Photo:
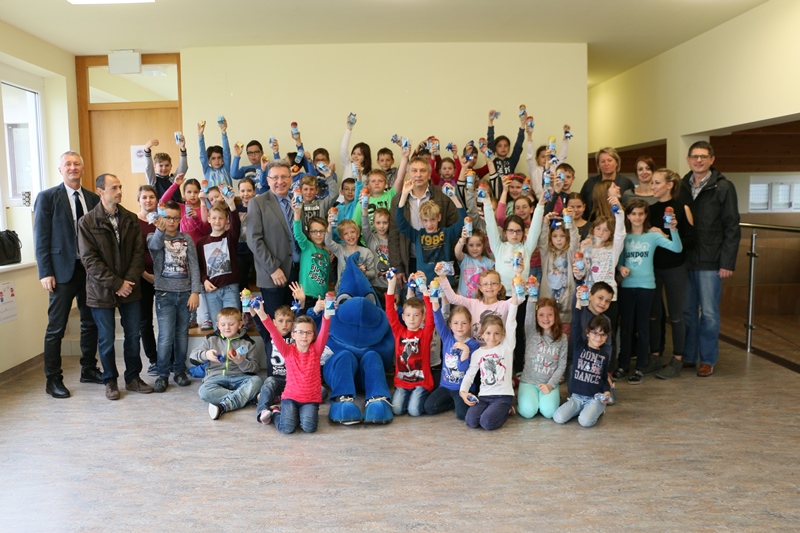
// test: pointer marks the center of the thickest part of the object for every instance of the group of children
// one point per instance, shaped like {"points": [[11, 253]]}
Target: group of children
{"points": [[535, 280]]}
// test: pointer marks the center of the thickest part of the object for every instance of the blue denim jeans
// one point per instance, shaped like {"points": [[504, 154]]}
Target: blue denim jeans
{"points": [[230, 392], [293, 413], [172, 314], [129, 318], [411, 401], [227, 296], [586, 408], [701, 315], [271, 390]]}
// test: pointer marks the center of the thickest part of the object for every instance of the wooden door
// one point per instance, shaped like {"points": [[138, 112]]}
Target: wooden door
{"points": [[115, 131]]}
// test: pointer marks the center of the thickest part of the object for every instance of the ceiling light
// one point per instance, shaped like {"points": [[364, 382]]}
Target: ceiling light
{"points": [[86, 2]]}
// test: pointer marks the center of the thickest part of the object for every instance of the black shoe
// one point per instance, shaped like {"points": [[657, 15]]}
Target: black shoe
{"points": [[91, 375], [182, 380], [152, 370], [160, 385], [55, 388]]}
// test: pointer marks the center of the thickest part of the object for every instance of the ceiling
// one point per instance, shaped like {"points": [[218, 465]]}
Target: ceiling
{"points": [[620, 33]]}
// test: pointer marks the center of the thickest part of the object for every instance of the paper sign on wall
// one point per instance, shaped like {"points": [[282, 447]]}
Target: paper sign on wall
{"points": [[8, 302], [138, 161]]}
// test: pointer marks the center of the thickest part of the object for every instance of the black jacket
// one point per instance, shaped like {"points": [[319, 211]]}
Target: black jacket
{"points": [[716, 224]]}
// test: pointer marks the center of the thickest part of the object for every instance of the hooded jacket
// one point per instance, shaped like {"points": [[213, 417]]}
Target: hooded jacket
{"points": [[216, 341], [716, 224]]}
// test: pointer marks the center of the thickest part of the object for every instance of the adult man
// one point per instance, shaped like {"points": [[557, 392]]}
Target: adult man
{"points": [[270, 238], [400, 249], [112, 251], [717, 235], [56, 214]]}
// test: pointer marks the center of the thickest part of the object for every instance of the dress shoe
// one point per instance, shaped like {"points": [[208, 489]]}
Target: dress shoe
{"points": [[91, 375], [55, 388], [138, 385], [705, 370], [112, 390]]}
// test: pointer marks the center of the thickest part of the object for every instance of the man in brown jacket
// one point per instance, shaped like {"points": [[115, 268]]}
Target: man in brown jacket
{"points": [[112, 251]]}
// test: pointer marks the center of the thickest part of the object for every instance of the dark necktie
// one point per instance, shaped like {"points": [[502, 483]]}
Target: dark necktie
{"points": [[78, 209], [289, 213]]}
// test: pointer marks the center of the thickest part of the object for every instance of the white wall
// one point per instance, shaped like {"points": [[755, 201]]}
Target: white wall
{"points": [[415, 90], [741, 73]]}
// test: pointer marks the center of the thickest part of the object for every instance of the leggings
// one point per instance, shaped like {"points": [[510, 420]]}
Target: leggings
{"points": [[672, 281]]}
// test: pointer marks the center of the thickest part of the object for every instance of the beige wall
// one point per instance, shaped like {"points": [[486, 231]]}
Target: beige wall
{"points": [[744, 72], [414, 90], [24, 336]]}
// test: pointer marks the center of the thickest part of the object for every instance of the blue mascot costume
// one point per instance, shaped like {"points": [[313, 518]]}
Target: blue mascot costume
{"points": [[363, 349]]}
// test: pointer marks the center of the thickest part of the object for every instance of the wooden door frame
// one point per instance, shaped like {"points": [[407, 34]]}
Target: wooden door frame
{"points": [[82, 64]]}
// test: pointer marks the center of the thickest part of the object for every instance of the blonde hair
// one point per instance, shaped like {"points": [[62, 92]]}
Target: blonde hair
{"points": [[671, 177], [610, 151], [501, 294], [429, 210], [347, 223]]}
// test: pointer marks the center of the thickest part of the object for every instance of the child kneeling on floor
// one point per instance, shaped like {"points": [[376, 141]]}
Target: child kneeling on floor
{"points": [[231, 381]]}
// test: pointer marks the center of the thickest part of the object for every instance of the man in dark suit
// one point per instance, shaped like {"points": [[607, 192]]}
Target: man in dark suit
{"points": [[56, 214], [269, 236]]}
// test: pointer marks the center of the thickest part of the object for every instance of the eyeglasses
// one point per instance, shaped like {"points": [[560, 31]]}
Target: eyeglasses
{"points": [[172, 219], [514, 231], [276, 178], [303, 333], [490, 284], [598, 334], [700, 157], [316, 231], [254, 152]]}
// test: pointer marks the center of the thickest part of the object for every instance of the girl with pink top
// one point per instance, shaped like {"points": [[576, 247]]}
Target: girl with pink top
{"points": [[192, 219]]}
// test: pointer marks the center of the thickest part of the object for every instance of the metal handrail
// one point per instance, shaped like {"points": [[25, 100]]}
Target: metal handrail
{"points": [[749, 326]]}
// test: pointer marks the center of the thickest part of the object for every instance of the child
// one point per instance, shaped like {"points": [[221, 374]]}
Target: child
{"points": [[489, 298], [504, 163], [432, 243], [312, 207], [385, 162], [275, 382], [639, 285], [315, 262], [537, 165], [557, 249], [472, 264], [216, 161], [349, 208], [565, 176], [376, 187], [303, 391], [177, 286], [589, 371], [457, 345], [512, 191], [254, 152], [244, 256], [578, 205], [360, 156], [230, 381], [378, 244], [494, 360], [159, 166], [545, 359], [413, 380], [192, 212], [217, 254], [350, 234]]}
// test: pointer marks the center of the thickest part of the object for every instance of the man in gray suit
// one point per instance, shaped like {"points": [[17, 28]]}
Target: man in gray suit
{"points": [[56, 214], [269, 236]]}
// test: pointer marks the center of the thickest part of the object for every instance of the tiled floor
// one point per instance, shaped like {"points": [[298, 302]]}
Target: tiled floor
{"points": [[689, 454], [775, 334]]}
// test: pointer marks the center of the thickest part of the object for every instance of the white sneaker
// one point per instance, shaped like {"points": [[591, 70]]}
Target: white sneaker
{"points": [[214, 411], [265, 416]]}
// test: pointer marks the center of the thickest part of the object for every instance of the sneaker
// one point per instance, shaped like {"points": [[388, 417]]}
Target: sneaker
{"points": [[654, 364], [265, 416], [182, 379], [193, 323], [619, 374], [207, 325], [613, 399], [138, 385], [672, 370], [160, 385], [215, 411], [112, 390], [152, 370], [636, 378]]}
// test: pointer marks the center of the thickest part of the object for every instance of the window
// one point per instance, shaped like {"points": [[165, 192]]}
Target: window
{"points": [[21, 118], [774, 193]]}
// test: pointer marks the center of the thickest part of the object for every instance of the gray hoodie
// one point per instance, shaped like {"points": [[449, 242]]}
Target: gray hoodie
{"points": [[215, 341]]}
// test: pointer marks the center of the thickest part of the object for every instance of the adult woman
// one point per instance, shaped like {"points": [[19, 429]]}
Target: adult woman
{"points": [[147, 204], [645, 166], [671, 274], [608, 164]]}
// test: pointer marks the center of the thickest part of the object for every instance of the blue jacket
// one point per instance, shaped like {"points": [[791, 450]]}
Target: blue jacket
{"points": [[215, 176]]}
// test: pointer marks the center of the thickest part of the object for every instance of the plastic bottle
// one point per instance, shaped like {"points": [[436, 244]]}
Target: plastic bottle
{"points": [[567, 220], [669, 215], [583, 291], [405, 144], [419, 279], [298, 159], [298, 196], [435, 289], [161, 209], [470, 178], [449, 190], [551, 144], [153, 215], [435, 145], [519, 287], [322, 167], [351, 120], [523, 111], [241, 350], [204, 186], [481, 143], [533, 287], [330, 303], [482, 192], [526, 187], [577, 260], [246, 297], [495, 115], [333, 215], [468, 225], [516, 262], [354, 171], [178, 136], [364, 202], [530, 123], [221, 120], [295, 131]]}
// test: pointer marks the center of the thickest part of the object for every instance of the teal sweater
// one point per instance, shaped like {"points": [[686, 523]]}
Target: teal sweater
{"points": [[315, 264], [638, 256]]}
